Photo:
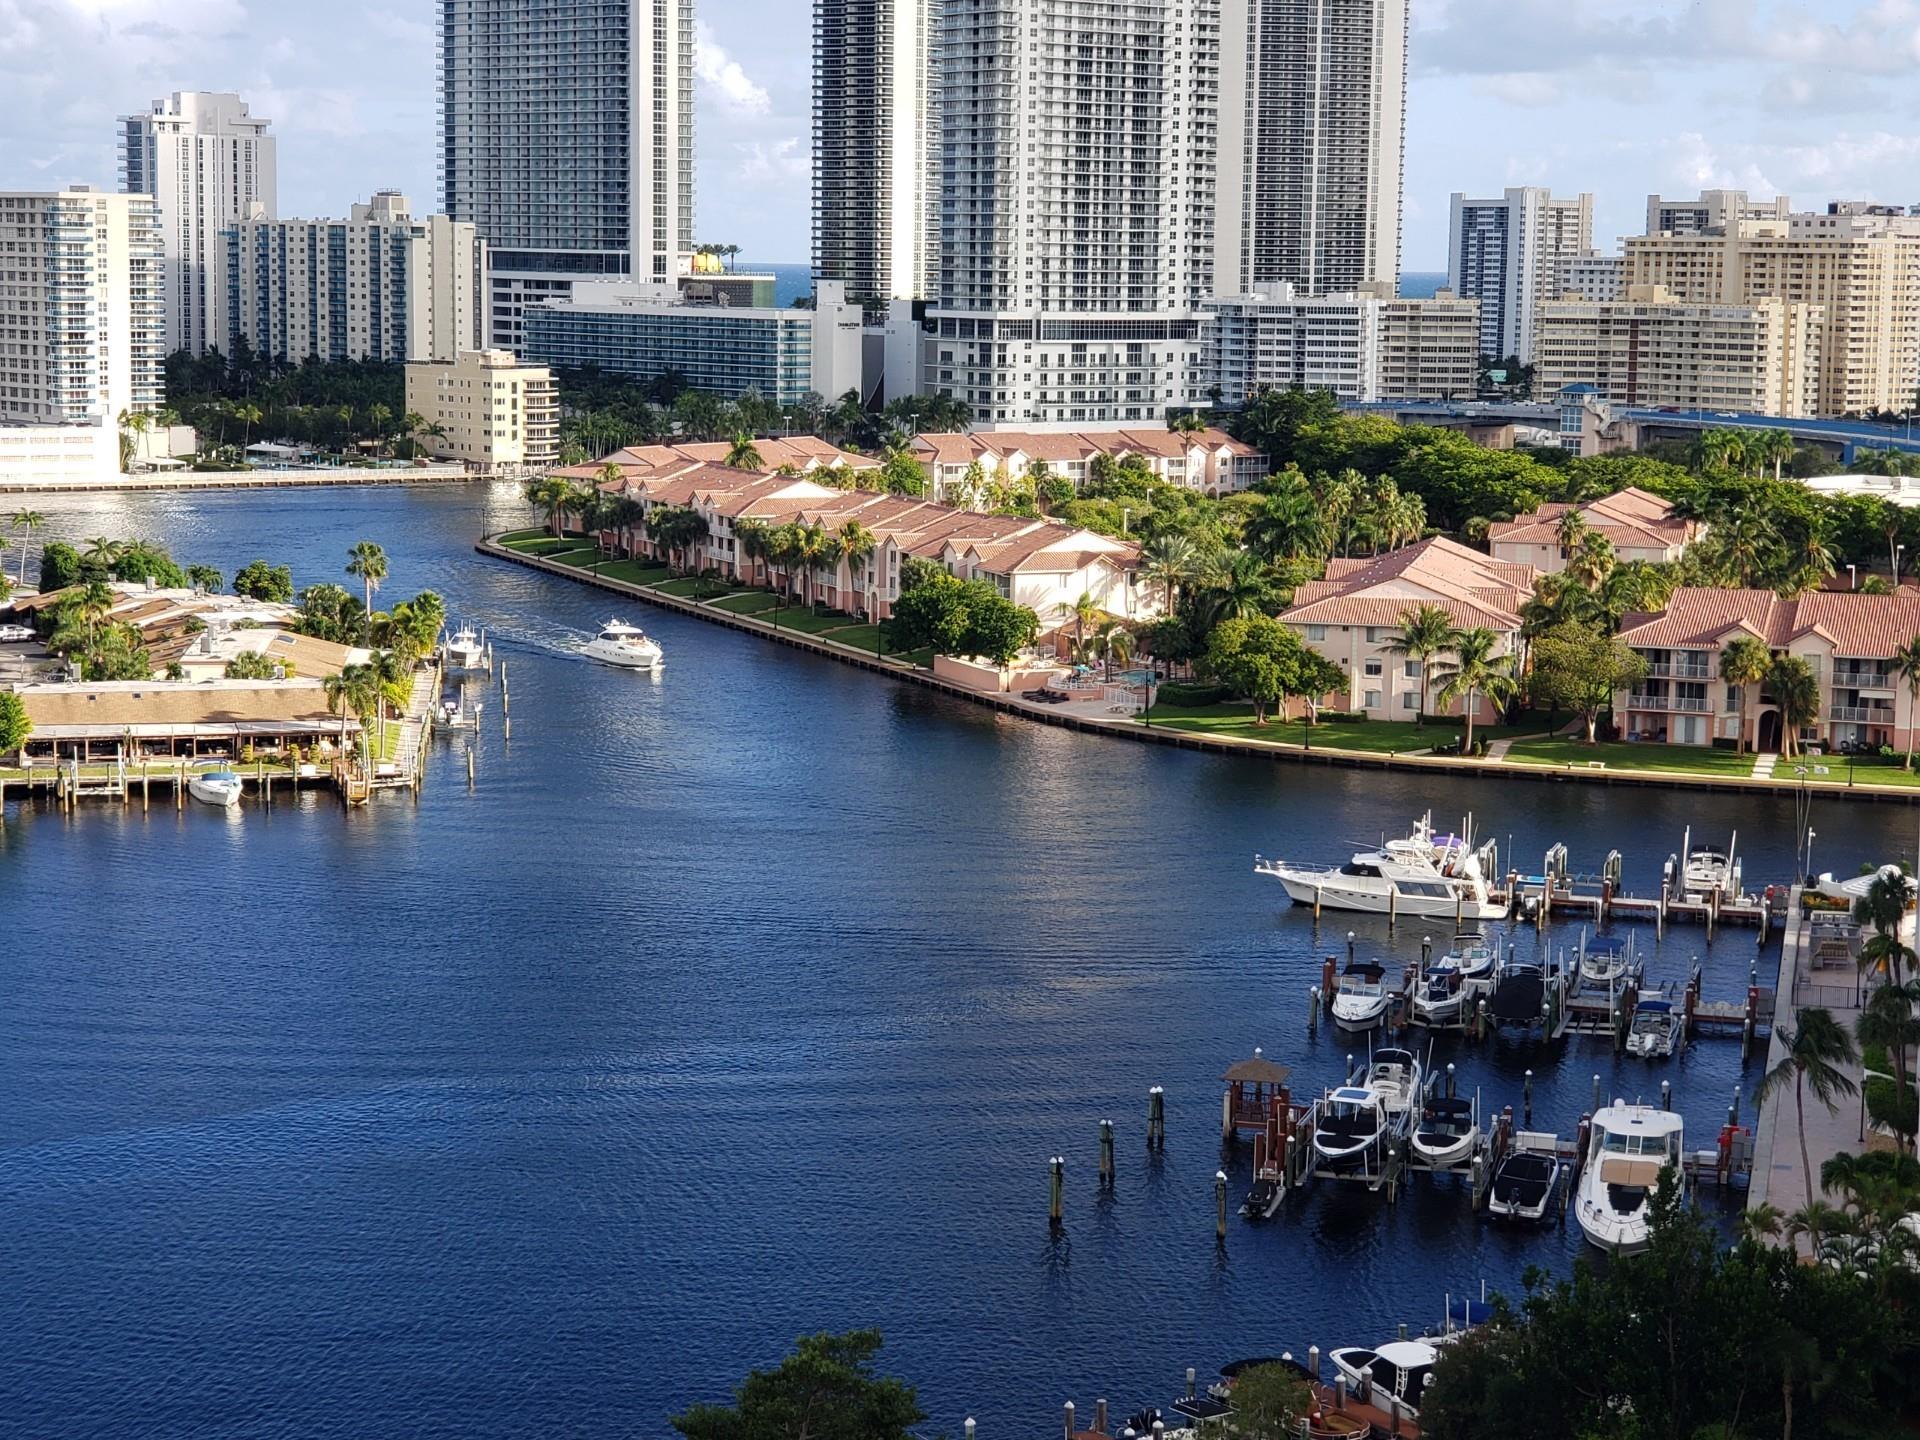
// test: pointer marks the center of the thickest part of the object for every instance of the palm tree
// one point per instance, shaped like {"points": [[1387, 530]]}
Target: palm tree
{"points": [[1425, 631], [755, 544], [1592, 560], [1239, 590], [743, 454], [104, 552], [369, 562], [1290, 522], [1746, 661], [1888, 1022], [1571, 529], [553, 494], [132, 423], [1113, 643], [1763, 1221], [379, 417], [1774, 447], [1797, 690], [1475, 671], [26, 522], [1906, 664], [1816, 1049], [249, 416], [1083, 611], [1169, 561], [1884, 907], [857, 544]]}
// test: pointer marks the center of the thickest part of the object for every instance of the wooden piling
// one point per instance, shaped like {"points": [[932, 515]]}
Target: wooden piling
{"points": [[1316, 904], [1156, 1119], [1056, 1191], [1220, 1205], [1106, 1153]]}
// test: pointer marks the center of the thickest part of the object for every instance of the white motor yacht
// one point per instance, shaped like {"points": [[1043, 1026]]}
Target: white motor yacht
{"points": [[1423, 875], [1631, 1145], [1448, 1133], [215, 787], [619, 643], [1655, 1031], [1360, 996], [465, 650], [1398, 1370]]}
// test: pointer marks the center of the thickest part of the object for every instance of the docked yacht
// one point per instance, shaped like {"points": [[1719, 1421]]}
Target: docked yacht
{"points": [[1524, 1182], [219, 788], [619, 643], [1448, 1133], [1360, 996], [1630, 1146], [1655, 1032], [1447, 989], [465, 649], [1358, 1121], [1422, 875], [1398, 1370], [1606, 960]]}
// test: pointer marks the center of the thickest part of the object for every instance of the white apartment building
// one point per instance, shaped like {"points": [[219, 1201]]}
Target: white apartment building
{"points": [[1650, 348], [1508, 253], [1592, 277], [1861, 269], [876, 147], [566, 135], [379, 285], [1362, 347], [494, 413], [207, 163], [1311, 140], [1714, 210], [1076, 224]]}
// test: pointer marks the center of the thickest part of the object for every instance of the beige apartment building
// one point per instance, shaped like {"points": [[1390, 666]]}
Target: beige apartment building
{"points": [[1651, 348], [494, 413], [1862, 270]]}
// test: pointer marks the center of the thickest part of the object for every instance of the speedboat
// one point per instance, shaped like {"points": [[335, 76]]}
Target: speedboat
{"points": [[1440, 997], [1398, 1370], [1520, 993], [1708, 869], [1606, 959], [1655, 1031], [1360, 996], [1447, 1134], [1630, 1146], [215, 787], [465, 650], [1524, 1183], [1358, 1120], [619, 643], [1472, 954], [1422, 875]]}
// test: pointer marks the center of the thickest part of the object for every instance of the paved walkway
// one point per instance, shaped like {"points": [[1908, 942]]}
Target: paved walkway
{"points": [[1498, 750], [1763, 766]]}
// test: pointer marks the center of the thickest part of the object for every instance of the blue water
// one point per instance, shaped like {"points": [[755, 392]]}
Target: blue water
{"points": [[737, 1003], [1420, 284]]}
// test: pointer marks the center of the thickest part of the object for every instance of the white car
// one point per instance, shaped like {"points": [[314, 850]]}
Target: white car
{"points": [[16, 632]]}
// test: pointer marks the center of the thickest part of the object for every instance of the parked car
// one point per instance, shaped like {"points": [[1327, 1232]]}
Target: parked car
{"points": [[16, 632]]}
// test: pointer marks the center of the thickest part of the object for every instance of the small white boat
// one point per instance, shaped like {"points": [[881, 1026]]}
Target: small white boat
{"points": [[1398, 1370], [215, 787], [619, 643], [1630, 1146], [1473, 955], [1422, 875], [465, 650], [1453, 984], [1605, 960], [1448, 1133], [1655, 1032], [1358, 1121], [1360, 996], [1524, 1182]]}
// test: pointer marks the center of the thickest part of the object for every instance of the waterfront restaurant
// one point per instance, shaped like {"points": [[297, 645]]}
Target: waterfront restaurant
{"points": [[135, 720]]}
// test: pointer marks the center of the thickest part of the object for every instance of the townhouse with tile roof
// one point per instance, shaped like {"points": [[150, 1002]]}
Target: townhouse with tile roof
{"points": [[1639, 524], [1353, 616], [1210, 460], [1847, 637]]}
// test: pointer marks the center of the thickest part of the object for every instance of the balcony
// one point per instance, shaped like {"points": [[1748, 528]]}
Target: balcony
{"points": [[1686, 704], [1679, 670], [1862, 714], [1865, 677]]}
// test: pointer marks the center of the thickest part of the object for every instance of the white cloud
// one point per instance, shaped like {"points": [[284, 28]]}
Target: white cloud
{"points": [[734, 86], [778, 161]]}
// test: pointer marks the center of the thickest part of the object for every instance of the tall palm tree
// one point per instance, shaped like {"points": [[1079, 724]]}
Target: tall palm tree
{"points": [[1906, 664], [1425, 631], [1476, 671], [1770, 447], [1817, 1048], [743, 454], [26, 522], [1592, 560], [857, 544], [1797, 690], [1239, 590], [1745, 662], [555, 495], [249, 416], [368, 562], [1169, 561], [1571, 529], [1113, 643], [1888, 1022], [1083, 611]]}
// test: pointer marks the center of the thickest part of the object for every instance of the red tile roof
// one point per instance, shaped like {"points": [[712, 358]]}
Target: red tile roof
{"points": [[1474, 589], [1631, 519], [1853, 624]]}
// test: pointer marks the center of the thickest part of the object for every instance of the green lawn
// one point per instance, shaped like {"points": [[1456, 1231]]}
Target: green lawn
{"points": [[800, 618], [860, 637], [751, 603], [1618, 755], [542, 545], [1376, 736], [692, 587], [513, 537], [921, 659], [577, 559], [1863, 770], [634, 572]]}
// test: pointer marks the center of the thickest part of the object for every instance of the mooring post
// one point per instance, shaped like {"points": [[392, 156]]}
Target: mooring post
{"points": [[1526, 1097], [1106, 1153], [1426, 953], [1068, 1415], [1056, 1190], [469, 767], [1156, 1119], [1666, 1094], [1450, 1080], [1733, 1110], [1316, 904], [1596, 1094], [1313, 1363], [1350, 939], [1313, 1008], [1219, 1224], [968, 1427]]}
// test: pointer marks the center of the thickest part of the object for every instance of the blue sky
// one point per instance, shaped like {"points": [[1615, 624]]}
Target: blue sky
{"points": [[1619, 97]]}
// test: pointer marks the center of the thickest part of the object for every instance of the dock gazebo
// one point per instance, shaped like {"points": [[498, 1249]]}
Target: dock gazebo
{"points": [[1253, 1086]]}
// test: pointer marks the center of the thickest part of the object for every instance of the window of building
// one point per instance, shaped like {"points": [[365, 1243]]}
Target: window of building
{"points": [[1372, 699], [1316, 632], [1374, 667]]}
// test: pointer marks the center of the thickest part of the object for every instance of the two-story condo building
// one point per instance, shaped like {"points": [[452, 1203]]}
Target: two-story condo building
{"points": [[1209, 460], [1638, 524]]}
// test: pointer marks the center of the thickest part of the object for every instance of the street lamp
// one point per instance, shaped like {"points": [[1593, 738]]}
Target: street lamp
{"points": [[1898, 551], [1853, 577], [1810, 834]]}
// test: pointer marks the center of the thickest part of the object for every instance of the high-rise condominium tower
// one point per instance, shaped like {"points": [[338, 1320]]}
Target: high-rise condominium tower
{"points": [[566, 134], [207, 163], [1312, 122], [876, 146], [1077, 206], [1512, 253]]}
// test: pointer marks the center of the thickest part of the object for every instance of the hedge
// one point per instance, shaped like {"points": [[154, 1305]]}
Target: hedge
{"points": [[1884, 1106], [1190, 692]]}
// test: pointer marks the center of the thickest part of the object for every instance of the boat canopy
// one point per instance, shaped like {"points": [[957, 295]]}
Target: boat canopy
{"points": [[1653, 1007], [1606, 944], [1449, 1107], [1367, 969]]}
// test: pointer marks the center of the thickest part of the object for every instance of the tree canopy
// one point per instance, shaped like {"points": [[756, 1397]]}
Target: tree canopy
{"points": [[826, 1389]]}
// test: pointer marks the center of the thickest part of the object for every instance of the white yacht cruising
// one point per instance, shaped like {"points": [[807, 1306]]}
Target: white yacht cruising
{"points": [[619, 643], [1631, 1145], [1422, 875]]}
